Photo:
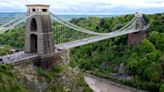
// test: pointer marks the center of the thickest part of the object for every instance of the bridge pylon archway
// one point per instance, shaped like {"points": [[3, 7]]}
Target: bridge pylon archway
{"points": [[33, 43], [38, 34]]}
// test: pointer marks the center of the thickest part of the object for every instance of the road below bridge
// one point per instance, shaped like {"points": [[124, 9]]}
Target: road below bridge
{"points": [[103, 85]]}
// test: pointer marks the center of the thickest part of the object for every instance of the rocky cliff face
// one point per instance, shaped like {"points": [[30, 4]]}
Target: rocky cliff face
{"points": [[62, 78]]}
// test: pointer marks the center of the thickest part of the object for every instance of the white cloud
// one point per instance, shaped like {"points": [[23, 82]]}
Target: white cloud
{"points": [[87, 6]]}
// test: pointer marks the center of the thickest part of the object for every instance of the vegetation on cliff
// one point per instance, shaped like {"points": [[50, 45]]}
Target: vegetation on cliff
{"points": [[29, 78], [8, 82], [4, 50]]}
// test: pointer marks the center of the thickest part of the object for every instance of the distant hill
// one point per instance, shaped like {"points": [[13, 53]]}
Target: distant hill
{"points": [[5, 17]]}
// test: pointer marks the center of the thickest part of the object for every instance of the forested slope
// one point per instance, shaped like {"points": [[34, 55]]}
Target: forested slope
{"points": [[143, 63]]}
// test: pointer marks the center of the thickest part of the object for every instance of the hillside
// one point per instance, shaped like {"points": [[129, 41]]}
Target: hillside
{"points": [[140, 66]]}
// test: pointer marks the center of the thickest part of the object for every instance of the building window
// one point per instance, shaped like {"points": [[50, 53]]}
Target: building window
{"points": [[44, 10], [33, 10]]}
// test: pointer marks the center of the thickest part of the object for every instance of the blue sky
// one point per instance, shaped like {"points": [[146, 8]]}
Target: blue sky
{"points": [[87, 6]]}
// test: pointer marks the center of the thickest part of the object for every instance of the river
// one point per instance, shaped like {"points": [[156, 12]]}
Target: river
{"points": [[103, 85]]}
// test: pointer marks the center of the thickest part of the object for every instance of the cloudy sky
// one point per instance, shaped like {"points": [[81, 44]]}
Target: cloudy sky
{"points": [[87, 6]]}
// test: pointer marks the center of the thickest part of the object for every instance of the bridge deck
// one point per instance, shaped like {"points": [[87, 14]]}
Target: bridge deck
{"points": [[19, 56]]}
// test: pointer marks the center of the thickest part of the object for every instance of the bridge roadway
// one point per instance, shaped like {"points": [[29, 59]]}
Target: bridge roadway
{"points": [[20, 56]]}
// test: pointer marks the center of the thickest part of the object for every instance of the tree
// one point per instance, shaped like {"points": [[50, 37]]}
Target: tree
{"points": [[153, 72], [146, 47], [161, 88], [157, 39]]}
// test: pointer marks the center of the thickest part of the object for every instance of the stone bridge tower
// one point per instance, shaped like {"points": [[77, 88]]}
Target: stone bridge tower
{"points": [[38, 34], [137, 37]]}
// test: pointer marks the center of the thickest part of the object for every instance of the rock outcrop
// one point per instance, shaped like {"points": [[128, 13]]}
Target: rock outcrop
{"points": [[62, 78]]}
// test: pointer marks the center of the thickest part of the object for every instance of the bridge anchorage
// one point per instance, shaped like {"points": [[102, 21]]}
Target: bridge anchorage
{"points": [[39, 42]]}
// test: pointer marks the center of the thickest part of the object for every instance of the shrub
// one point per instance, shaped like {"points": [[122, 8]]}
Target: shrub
{"points": [[56, 68], [161, 88]]}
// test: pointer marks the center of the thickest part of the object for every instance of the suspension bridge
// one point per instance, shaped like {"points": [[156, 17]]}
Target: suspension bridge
{"points": [[39, 40]]}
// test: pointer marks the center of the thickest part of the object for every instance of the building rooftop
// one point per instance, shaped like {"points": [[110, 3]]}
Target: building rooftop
{"points": [[37, 5]]}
